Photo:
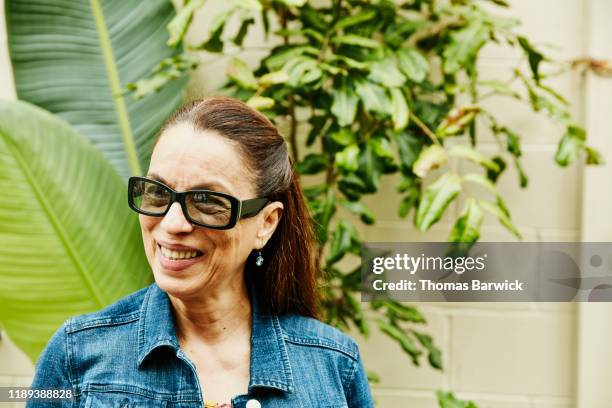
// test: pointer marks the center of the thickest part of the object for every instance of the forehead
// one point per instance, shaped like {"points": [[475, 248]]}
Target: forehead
{"points": [[186, 157]]}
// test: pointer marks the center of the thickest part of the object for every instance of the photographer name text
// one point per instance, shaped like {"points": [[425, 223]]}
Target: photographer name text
{"points": [[429, 285]]}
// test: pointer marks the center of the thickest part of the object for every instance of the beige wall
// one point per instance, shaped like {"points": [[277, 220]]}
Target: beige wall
{"points": [[501, 355]]}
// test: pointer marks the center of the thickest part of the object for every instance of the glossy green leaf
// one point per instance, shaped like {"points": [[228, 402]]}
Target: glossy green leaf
{"points": [[469, 153], [413, 64], [302, 70], [293, 3], [313, 163], [402, 338], [349, 62], [382, 148], [358, 208], [240, 72], [348, 159], [464, 46], [400, 111], [501, 88], [404, 312], [169, 69], [345, 103], [501, 164], [280, 56], [513, 142], [448, 400], [313, 192], [501, 213], [369, 168], [352, 186], [76, 61], [323, 215], [436, 199], [373, 377], [431, 157], [467, 226], [373, 96], [560, 98], [355, 19], [214, 43], [69, 244], [540, 102], [480, 180], [341, 241], [243, 30], [434, 354], [179, 25], [352, 39], [251, 5], [594, 157], [386, 73], [409, 149], [501, 3], [357, 315], [571, 145], [261, 102], [534, 56], [344, 136], [457, 121], [410, 199], [523, 179], [273, 78]]}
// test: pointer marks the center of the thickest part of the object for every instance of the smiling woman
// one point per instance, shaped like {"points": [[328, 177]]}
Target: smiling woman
{"points": [[231, 317]]}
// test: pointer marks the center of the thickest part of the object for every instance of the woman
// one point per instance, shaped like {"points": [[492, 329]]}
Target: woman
{"points": [[229, 321]]}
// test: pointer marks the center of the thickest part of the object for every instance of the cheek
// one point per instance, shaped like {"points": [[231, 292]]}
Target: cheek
{"points": [[147, 224], [229, 247]]}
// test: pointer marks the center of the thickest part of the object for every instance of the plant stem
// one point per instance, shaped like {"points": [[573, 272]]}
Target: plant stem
{"points": [[292, 117], [432, 30], [424, 128], [293, 129]]}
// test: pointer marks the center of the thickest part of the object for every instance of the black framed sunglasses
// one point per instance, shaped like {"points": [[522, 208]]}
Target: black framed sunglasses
{"points": [[206, 208]]}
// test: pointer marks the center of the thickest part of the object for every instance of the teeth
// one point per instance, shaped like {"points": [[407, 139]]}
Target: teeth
{"points": [[168, 253]]}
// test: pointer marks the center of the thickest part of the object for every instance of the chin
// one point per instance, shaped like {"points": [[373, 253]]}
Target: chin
{"points": [[177, 286]]}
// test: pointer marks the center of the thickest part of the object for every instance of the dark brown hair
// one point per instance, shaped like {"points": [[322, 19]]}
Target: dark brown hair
{"points": [[286, 283]]}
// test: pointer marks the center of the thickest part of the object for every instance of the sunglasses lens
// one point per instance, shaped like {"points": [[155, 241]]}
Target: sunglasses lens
{"points": [[149, 197], [208, 208]]}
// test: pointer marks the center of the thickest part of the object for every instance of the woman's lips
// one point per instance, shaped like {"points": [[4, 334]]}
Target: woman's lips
{"points": [[175, 264]]}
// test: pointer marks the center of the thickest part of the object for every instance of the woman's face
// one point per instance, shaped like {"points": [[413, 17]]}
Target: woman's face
{"points": [[186, 159]]}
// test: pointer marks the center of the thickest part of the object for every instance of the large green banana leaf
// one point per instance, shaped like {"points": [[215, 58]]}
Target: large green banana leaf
{"points": [[69, 244], [75, 57]]}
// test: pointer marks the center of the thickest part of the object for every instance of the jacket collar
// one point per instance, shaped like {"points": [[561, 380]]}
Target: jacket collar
{"points": [[269, 365]]}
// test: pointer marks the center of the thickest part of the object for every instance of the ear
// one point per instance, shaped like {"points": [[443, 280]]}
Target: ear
{"points": [[270, 216]]}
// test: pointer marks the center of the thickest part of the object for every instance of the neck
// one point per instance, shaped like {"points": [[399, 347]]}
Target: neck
{"points": [[217, 315]]}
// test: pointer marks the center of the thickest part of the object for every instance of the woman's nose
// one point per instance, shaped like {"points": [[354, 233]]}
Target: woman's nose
{"points": [[174, 221]]}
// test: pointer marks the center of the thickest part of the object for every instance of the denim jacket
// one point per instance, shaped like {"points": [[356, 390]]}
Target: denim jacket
{"points": [[127, 355]]}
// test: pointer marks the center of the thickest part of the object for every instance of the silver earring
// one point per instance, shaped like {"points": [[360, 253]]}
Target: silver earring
{"points": [[259, 261]]}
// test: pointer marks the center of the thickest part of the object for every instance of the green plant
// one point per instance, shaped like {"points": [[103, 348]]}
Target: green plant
{"points": [[386, 87], [68, 243]]}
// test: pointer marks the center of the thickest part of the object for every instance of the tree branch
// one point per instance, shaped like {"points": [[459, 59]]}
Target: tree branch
{"points": [[293, 129], [424, 128], [292, 117], [432, 30]]}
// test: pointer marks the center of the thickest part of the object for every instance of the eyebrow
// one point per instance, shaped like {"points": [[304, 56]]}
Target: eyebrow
{"points": [[207, 185]]}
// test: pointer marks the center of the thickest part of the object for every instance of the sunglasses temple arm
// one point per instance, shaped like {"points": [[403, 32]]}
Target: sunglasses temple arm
{"points": [[252, 207]]}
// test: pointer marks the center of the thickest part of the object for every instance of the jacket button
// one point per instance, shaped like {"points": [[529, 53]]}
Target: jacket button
{"points": [[253, 403]]}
